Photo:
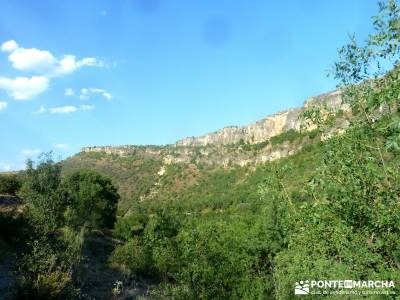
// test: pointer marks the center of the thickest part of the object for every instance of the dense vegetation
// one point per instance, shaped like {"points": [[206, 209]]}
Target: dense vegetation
{"points": [[48, 235], [221, 240], [330, 211], [134, 175], [9, 184]]}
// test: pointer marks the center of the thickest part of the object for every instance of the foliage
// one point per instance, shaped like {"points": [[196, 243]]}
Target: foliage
{"points": [[40, 192], [131, 225], [353, 203], [9, 184], [288, 136], [255, 147], [223, 259], [353, 199], [133, 175], [56, 214], [92, 199], [131, 258]]}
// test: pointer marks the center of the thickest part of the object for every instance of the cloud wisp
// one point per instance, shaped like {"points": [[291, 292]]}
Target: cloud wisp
{"points": [[87, 92], [30, 152], [61, 146], [3, 105], [41, 110], [63, 109], [5, 167], [87, 107], [69, 92]]}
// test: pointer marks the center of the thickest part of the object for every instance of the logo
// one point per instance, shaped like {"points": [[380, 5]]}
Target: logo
{"points": [[344, 287], [302, 288]]}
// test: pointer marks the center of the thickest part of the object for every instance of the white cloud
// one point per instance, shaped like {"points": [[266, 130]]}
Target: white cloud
{"points": [[5, 166], [63, 110], [61, 146], [35, 60], [41, 62], [41, 110], [30, 152], [69, 64], [69, 92], [44, 62], [86, 92], [3, 105], [9, 46], [24, 88], [86, 107]]}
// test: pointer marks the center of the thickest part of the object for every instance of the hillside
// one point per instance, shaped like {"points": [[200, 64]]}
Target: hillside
{"points": [[205, 211], [142, 172]]}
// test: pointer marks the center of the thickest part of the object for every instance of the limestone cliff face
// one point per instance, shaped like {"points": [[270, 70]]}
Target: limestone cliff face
{"points": [[267, 127], [253, 133], [214, 149]]}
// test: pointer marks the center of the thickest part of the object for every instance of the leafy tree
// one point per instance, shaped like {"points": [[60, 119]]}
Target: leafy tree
{"points": [[92, 199], [40, 192], [352, 202], [131, 258], [223, 259], [49, 252], [9, 184]]}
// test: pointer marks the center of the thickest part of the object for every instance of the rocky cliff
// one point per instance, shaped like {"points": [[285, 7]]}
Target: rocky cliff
{"points": [[256, 133], [271, 138], [266, 128]]}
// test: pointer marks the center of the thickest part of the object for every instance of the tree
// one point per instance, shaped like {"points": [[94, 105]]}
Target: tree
{"points": [[92, 200], [48, 251], [352, 201], [9, 184], [40, 192]]}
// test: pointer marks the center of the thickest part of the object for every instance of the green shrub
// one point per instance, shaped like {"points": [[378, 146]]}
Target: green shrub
{"points": [[130, 226], [51, 286], [289, 136], [222, 260], [313, 133], [92, 199], [131, 258], [9, 184]]}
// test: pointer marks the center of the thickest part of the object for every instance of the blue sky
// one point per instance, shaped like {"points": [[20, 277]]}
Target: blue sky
{"points": [[94, 72]]}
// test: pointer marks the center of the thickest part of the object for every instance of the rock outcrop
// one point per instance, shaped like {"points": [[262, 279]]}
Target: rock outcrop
{"points": [[212, 147], [267, 127]]}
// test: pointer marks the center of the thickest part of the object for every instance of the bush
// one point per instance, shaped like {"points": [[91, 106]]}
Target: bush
{"points": [[52, 286], [222, 260], [132, 225], [9, 184], [131, 258], [92, 199], [288, 136]]}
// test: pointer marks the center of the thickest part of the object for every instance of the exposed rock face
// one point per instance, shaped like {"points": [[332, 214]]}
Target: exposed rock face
{"points": [[267, 127], [121, 150], [331, 100], [214, 148], [253, 133]]}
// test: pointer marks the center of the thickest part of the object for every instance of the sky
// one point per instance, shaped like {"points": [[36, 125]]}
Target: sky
{"points": [[101, 72]]}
